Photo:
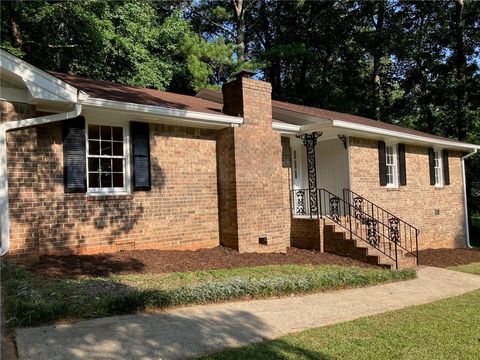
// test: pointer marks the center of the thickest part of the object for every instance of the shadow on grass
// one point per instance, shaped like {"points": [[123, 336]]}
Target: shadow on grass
{"points": [[277, 349]]}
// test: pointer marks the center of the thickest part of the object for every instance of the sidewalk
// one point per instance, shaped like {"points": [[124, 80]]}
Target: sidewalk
{"points": [[193, 331]]}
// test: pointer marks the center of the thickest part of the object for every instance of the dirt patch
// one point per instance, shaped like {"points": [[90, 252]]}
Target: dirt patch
{"points": [[448, 257], [162, 261]]}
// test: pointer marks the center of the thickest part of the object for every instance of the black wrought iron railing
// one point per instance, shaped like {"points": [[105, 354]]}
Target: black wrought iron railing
{"points": [[386, 237], [405, 234]]}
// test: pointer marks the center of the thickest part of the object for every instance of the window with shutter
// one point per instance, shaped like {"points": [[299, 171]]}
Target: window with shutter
{"points": [[107, 158], [437, 167], [391, 163]]}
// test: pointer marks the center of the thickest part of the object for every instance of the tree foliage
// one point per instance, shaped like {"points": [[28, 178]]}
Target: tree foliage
{"points": [[411, 63]]}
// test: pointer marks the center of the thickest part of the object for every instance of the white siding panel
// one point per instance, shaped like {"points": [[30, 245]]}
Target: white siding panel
{"points": [[332, 166]]}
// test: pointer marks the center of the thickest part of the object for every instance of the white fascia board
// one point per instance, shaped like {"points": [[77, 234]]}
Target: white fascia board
{"points": [[401, 135], [182, 115], [285, 128], [36, 79]]}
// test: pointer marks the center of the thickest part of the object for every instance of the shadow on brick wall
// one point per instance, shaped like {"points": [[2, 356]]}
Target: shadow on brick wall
{"points": [[43, 216]]}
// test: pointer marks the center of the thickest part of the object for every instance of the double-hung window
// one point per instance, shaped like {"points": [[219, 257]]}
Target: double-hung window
{"points": [[438, 168], [391, 162], [107, 158]]}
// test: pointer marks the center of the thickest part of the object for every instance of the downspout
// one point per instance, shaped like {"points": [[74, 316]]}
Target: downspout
{"points": [[16, 125], [465, 196]]}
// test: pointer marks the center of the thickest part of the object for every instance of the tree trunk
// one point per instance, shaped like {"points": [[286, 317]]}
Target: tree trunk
{"points": [[239, 11], [460, 65], [377, 59], [14, 25]]}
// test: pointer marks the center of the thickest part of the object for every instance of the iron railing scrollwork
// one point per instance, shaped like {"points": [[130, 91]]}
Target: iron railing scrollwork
{"points": [[335, 208], [398, 231], [300, 204], [387, 234], [310, 141]]}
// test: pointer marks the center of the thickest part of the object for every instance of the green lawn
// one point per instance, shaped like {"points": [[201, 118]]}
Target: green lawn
{"points": [[473, 268], [32, 300], [448, 329]]}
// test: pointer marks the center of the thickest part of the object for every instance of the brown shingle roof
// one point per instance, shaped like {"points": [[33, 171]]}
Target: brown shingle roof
{"points": [[353, 119], [118, 92], [124, 93]]}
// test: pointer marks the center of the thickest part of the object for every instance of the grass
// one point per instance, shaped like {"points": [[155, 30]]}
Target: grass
{"points": [[33, 300], [473, 268], [448, 329]]}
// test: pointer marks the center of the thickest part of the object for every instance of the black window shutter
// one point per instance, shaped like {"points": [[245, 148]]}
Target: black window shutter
{"points": [[141, 156], [402, 164], [74, 156], [382, 162], [446, 168], [431, 165]]}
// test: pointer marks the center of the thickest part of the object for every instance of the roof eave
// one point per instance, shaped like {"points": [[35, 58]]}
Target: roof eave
{"points": [[41, 85], [160, 111], [402, 136]]}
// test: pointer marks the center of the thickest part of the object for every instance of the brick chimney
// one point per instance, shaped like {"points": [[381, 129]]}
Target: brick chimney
{"points": [[253, 198]]}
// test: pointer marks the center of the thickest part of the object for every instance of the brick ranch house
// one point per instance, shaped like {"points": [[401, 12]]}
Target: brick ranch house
{"points": [[91, 166]]}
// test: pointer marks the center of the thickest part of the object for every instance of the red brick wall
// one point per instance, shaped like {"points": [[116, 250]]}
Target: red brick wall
{"points": [[180, 212], [257, 182], [307, 233], [415, 203]]}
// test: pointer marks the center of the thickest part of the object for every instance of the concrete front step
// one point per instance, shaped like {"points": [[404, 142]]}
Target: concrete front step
{"points": [[338, 241]]}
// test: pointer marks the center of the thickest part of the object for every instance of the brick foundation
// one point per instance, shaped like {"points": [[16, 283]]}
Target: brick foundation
{"points": [[307, 233]]}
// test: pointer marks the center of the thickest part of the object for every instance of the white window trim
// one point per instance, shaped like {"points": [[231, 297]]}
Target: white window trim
{"points": [[126, 190], [396, 182], [441, 182]]}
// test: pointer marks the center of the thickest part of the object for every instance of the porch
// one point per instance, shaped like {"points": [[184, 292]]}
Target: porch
{"points": [[328, 216]]}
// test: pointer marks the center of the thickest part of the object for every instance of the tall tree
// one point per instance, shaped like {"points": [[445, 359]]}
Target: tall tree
{"points": [[460, 66]]}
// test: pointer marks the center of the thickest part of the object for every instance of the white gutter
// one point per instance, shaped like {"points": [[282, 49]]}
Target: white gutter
{"points": [[16, 125], [194, 116], [286, 128], [465, 196]]}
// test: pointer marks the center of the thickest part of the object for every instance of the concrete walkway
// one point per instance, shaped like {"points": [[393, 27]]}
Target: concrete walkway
{"points": [[192, 331]]}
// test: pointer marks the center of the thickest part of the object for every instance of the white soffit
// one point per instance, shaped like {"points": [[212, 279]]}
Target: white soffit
{"points": [[164, 115], [40, 85]]}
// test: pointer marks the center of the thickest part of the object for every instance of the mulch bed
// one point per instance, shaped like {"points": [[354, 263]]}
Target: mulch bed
{"points": [[162, 261], [448, 257]]}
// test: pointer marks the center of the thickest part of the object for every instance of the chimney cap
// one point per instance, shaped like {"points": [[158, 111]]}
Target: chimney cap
{"points": [[244, 73]]}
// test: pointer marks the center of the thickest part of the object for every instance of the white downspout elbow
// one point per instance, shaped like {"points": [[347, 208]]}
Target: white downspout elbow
{"points": [[16, 125], [467, 229]]}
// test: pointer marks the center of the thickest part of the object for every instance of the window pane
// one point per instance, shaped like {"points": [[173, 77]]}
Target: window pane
{"points": [[117, 165], [117, 180], [93, 180], [117, 133], [106, 180], [94, 147], [106, 165], [106, 132], [106, 148], [118, 149], [93, 164], [93, 131]]}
